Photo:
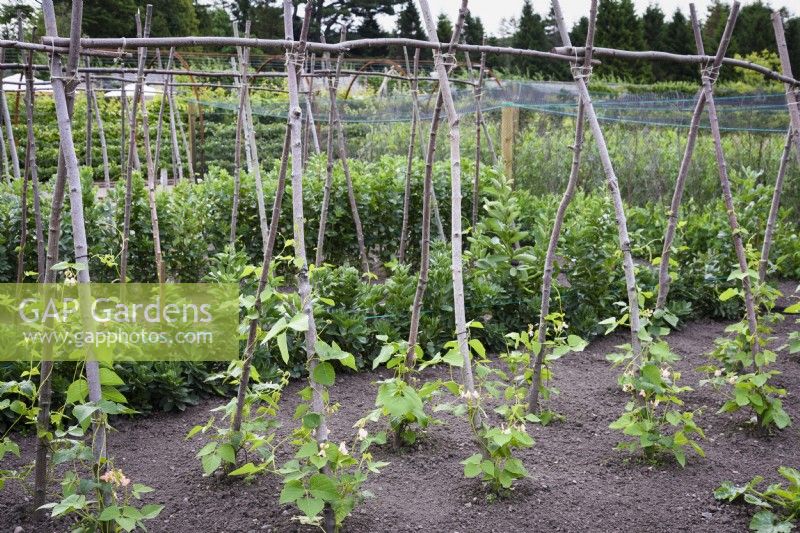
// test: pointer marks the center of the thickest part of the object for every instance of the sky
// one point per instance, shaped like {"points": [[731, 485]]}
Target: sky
{"points": [[492, 11]]}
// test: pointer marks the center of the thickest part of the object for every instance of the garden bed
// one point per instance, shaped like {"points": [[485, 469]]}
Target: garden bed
{"points": [[578, 482]]}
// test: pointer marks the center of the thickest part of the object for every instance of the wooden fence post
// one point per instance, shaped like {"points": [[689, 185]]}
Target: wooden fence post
{"points": [[508, 131]]}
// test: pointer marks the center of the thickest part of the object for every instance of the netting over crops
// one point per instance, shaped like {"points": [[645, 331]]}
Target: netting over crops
{"points": [[763, 112]]}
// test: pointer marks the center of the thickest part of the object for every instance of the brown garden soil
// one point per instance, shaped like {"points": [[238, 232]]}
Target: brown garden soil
{"points": [[578, 481]]}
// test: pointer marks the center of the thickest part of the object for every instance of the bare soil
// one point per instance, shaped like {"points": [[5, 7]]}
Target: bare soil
{"points": [[578, 481]]}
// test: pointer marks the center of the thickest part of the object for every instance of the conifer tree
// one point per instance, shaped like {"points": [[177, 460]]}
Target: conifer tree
{"points": [[409, 24], [619, 27]]}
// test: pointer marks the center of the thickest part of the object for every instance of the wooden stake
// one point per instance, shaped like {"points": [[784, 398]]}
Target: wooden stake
{"points": [[508, 133], [102, 135], [151, 174], [186, 149], [3, 149], [177, 162], [250, 135], [351, 195], [87, 81], [34, 171], [774, 207], [479, 123], [237, 155], [303, 283], [123, 150]]}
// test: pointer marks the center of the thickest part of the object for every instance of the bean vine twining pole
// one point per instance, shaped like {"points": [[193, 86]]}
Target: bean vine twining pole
{"points": [[34, 171], [351, 194], [101, 133], [457, 266], [401, 253]]}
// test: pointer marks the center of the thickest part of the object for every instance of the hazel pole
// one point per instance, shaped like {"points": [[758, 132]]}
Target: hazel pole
{"points": [[250, 136], [613, 185], [774, 207], [794, 132], [27, 174], [664, 278], [476, 184], [401, 254], [3, 149], [45, 391], [455, 213], [177, 162], [333, 85], [428, 203], [566, 199], [303, 283], [6, 117], [237, 147], [123, 110], [37, 207], [351, 195], [151, 174], [725, 184], [132, 150], [294, 56], [81, 248], [160, 120], [102, 135], [88, 93]]}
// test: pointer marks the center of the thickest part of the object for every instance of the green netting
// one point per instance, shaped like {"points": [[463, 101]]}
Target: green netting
{"points": [[763, 112]]}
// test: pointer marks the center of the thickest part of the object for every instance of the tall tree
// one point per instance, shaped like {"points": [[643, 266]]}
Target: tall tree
{"points": [[473, 29], [212, 20], [753, 30], [172, 18], [409, 24], [370, 29], [677, 38], [330, 15], [714, 24], [619, 27], [444, 28], [653, 26], [101, 18], [531, 34], [579, 30], [793, 42]]}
